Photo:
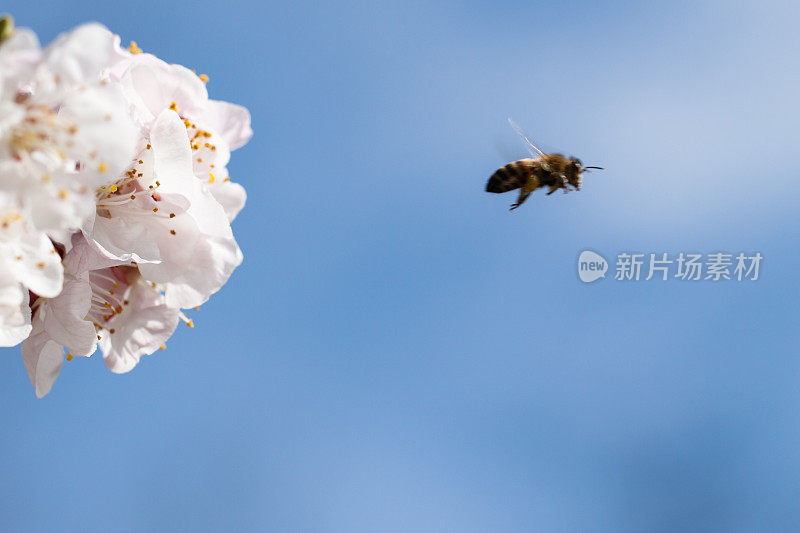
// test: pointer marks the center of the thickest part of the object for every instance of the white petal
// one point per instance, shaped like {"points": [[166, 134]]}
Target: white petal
{"points": [[152, 85], [39, 265], [231, 196], [231, 121], [82, 55], [106, 137], [173, 166], [123, 240], [19, 56], [194, 266], [15, 315], [214, 262], [55, 214]]}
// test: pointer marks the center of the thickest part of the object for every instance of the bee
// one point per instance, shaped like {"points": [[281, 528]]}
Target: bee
{"points": [[541, 170]]}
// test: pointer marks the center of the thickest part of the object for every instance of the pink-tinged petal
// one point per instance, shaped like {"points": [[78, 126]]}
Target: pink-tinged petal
{"points": [[140, 330], [43, 359], [64, 321], [231, 121], [84, 257]]}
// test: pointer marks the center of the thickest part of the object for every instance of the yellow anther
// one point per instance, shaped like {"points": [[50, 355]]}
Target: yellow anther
{"points": [[113, 188], [102, 167], [211, 178], [70, 357], [203, 78], [6, 27], [162, 347], [62, 194], [134, 48], [190, 323]]}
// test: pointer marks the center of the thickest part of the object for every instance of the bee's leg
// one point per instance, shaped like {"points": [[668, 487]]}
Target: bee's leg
{"points": [[561, 183], [523, 195]]}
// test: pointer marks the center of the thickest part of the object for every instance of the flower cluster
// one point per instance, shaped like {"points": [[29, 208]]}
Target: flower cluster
{"points": [[115, 200]]}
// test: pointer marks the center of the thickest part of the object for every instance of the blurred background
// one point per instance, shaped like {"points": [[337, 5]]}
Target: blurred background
{"points": [[398, 352]]}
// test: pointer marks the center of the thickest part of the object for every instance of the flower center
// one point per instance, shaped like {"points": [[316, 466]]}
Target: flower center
{"points": [[111, 288], [41, 130]]}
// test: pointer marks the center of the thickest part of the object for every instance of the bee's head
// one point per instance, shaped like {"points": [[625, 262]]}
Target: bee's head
{"points": [[575, 170]]}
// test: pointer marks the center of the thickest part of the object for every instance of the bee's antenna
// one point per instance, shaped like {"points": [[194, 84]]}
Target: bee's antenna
{"points": [[522, 134], [598, 168]]}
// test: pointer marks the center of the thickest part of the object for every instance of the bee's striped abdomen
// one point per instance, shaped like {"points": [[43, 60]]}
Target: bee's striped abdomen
{"points": [[510, 177]]}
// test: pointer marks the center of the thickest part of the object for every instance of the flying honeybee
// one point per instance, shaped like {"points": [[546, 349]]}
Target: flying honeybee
{"points": [[541, 170]]}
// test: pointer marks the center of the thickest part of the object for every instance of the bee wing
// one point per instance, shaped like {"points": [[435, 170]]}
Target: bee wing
{"points": [[535, 152], [505, 150]]}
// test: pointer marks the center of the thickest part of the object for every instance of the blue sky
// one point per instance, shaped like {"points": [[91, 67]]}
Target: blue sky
{"points": [[398, 352]]}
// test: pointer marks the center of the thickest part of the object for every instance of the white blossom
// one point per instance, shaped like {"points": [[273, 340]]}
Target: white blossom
{"points": [[115, 199], [214, 127]]}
